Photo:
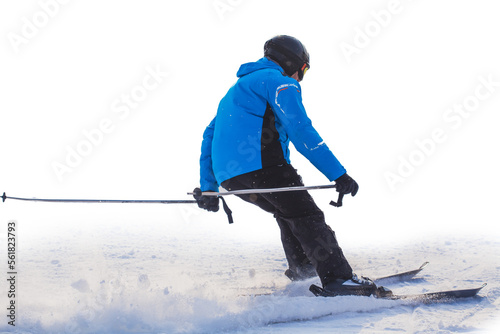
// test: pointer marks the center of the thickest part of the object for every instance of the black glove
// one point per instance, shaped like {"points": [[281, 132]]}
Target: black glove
{"points": [[346, 185], [210, 203]]}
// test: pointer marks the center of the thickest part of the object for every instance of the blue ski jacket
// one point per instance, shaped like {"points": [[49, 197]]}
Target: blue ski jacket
{"points": [[255, 121]]}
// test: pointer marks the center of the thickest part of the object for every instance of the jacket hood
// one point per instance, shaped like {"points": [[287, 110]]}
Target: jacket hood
{"points": [[261, 64]]}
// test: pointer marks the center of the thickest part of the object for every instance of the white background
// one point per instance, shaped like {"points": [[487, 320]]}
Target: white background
{"points": [[428, 56]]}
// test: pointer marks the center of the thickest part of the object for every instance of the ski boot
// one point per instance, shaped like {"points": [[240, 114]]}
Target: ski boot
{"points": [[354, 286]]}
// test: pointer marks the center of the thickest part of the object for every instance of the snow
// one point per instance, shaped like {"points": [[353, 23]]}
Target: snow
{"points": [[120, 91], [194, 275]]}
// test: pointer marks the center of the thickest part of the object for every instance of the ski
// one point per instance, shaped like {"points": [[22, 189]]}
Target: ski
{"points": [[429, 297], [399, 277]]}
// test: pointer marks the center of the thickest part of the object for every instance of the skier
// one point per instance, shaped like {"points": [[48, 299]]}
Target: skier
{"points": [[246, 146]]}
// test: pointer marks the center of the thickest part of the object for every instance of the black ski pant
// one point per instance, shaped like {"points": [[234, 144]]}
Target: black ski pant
{"points": [[305, 236]]}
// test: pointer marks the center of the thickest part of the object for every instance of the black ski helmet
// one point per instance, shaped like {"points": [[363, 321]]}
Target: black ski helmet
{"points": [[289, 53]]}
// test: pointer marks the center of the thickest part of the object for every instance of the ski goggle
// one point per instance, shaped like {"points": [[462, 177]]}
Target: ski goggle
{"points": [[303, 71]]}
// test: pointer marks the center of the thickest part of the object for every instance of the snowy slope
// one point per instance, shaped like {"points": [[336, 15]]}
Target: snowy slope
{"points": [[175, 275]]}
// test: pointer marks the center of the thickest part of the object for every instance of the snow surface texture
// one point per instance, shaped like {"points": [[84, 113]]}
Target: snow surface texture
{"points": [[187, 277]]}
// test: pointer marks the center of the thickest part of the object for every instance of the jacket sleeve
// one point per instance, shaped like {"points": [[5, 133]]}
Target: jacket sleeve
{"points": [[287, 104], [207, 177]]}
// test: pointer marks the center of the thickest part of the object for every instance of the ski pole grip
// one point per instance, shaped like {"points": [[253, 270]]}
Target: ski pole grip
{"points": [[338, 204]]}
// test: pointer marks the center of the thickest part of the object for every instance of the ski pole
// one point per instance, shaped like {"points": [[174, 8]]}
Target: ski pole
{"points": [[53, 200], [274, 190], [4, 197]]}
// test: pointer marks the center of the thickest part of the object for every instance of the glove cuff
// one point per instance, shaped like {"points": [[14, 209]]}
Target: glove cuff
{"points": [[344, 177]]}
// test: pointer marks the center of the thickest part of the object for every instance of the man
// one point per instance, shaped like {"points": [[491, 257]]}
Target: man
{"points": [[246, 146]]}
